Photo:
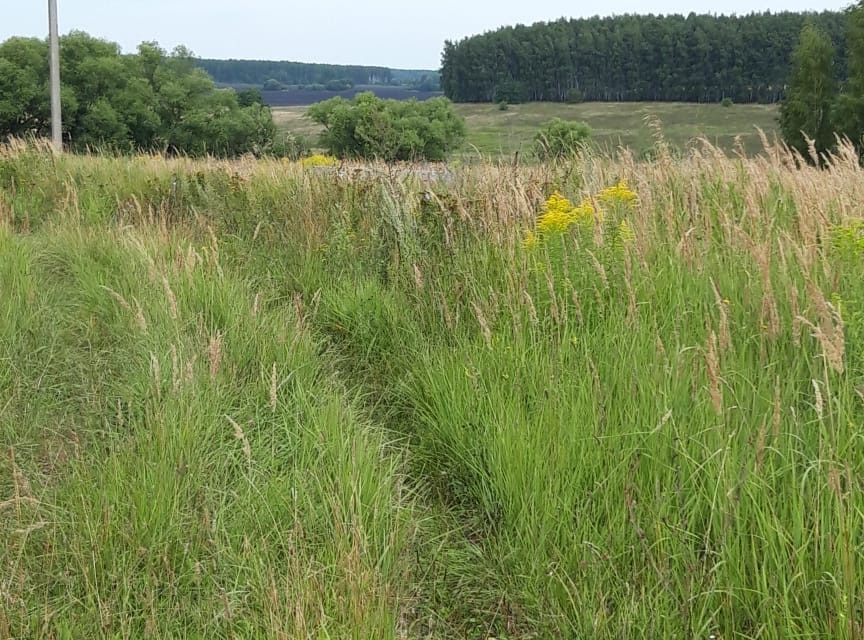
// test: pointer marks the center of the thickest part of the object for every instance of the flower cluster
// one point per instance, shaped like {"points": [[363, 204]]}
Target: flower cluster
{"points": [[559, 213], [618, 194], [319, 160]]}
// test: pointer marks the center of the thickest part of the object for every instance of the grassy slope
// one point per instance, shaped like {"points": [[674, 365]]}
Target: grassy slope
{"points": [[493, 132], [253, 400]]}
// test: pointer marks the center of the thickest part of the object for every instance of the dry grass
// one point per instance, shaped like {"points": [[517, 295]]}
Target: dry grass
{"points": [[248, 399]]}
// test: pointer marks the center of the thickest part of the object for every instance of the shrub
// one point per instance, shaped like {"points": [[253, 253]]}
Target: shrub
{"points": [[338, 85], [273, 85], [574, 96], [559, 139], [390, 130], [726, 102], [503, 105]]}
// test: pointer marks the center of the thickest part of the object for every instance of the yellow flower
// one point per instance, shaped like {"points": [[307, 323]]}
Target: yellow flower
{"points": [[530, 240], [557, 215], [618, 194], [587, 214], [319, 160]]}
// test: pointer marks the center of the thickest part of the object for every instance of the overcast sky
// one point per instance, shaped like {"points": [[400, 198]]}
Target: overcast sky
{"points": [[392, 33]]}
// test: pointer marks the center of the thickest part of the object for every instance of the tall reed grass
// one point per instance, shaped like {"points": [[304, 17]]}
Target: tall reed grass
{"points": [[257, 399]]}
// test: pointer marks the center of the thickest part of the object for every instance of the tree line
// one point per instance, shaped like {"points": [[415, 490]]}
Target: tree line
{"points": [[258, 72], [822, 107], [697, 58], [275, 75], [151, 100]]}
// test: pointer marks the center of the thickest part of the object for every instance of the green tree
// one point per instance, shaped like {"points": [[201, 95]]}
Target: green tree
{"points": [[369, 127], [697, 58], [148, 101], [849, 114], [806, 111]]}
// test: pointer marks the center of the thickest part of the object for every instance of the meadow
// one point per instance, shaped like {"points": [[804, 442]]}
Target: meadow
{"points": [[261, 399], [495, 133]]}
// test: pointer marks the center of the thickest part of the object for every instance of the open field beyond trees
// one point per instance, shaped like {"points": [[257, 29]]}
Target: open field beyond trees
{"points": [[494, 133], [257, 399]]}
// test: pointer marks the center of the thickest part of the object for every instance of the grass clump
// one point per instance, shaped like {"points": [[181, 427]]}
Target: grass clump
{"points": [[592, 399]]}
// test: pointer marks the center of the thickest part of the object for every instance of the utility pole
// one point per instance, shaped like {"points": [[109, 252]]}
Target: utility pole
{"points": [[54, 37]]}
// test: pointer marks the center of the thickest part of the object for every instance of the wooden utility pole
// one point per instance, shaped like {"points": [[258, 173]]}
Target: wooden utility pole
{"points": [[54, 37]]}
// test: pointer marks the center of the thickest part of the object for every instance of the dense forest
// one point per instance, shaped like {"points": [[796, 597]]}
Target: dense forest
{"points": [[287, 74], [697, 58]]}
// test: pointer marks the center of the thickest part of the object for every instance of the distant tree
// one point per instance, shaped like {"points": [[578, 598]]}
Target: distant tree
{"points": [[272, 85], [512, 91], [849, 112], [559, 139], [390, 130], [259, 72], [338, 85], [806, 111], [250, 97]]}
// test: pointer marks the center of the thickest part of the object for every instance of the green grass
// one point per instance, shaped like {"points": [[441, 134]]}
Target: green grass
{"points": [[248, 399], [492, 132]]}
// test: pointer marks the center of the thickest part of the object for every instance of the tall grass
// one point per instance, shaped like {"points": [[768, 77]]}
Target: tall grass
{"points": [[256, 399]]}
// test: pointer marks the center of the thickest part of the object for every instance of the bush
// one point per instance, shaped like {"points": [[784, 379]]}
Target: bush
{"points": [[338, 85], [574, 96], [503, 105], [726, 102], [559, 139], [369, 127], [273, 85]]}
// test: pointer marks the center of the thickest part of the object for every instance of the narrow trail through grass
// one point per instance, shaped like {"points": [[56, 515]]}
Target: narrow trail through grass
{"points": [[599, 400]]}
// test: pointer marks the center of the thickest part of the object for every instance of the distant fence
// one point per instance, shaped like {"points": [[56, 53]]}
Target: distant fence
{"points": [[304, 97]]}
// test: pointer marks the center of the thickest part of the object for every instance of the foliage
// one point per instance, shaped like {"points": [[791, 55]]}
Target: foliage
{"points": [[849, 109], [149, 101], [250, 97], [697, 58], [390, 130], [271, 84], [574, 96], [258, 72], [340, 84], [513, 92], [806, 111], [561, 139], [727, 102]]}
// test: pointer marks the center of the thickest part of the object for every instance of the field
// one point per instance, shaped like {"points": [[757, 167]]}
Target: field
{"points": [[305, 97], [255, 399], [495, 133]]}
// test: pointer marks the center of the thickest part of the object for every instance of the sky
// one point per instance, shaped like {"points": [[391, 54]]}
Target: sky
{"points": [[401, 34]]}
